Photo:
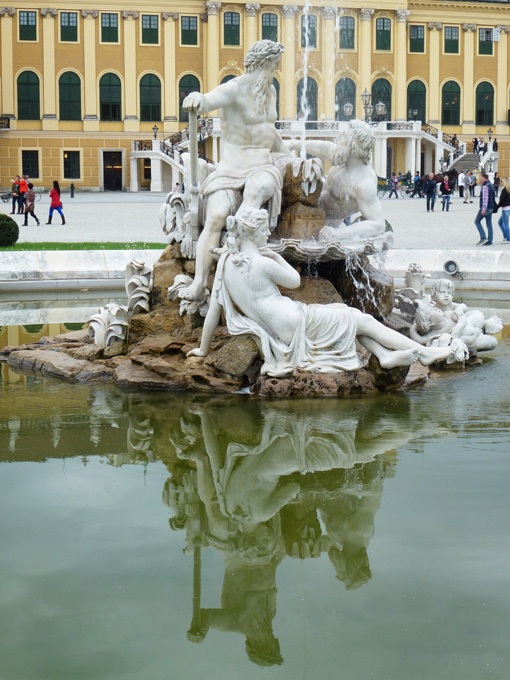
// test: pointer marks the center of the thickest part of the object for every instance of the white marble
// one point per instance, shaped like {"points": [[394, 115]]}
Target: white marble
{"points": [[290, 334], [138, 286], [110, 324]]}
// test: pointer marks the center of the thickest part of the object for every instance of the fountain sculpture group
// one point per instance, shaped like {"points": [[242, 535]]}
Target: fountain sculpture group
{"points": [[261, 220]]}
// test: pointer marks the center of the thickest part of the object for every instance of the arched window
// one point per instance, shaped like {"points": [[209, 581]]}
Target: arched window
{"points": [[307, 99], [69, 90], [381, 92], [450, 104], [276, 86], [28, 96], [484, 104], [150, 98], [110, 97], [345, 93], [225, 79], [231, 25], [416, 101], [187, 84], [270, 27]]}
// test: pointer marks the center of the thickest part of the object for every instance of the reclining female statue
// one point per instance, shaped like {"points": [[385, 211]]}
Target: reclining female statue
{"points": [[291, 334]]}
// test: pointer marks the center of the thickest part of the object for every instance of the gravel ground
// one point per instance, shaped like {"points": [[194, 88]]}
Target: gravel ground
{"points": [[127, 217]]}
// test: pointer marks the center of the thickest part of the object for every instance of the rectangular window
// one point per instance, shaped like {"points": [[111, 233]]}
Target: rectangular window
{"points": [[189, 31], [346, 33], [69, 26], [231, 32], [110, 28], [150, 29], [485, 41], [270, 27], [71, 165], [308, 30], [416, 38], [383, 34], [27, 26], [451, 39], [30, 164]]}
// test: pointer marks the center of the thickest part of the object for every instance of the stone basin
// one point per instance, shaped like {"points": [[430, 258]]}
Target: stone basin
{"points": [[318, 250]]}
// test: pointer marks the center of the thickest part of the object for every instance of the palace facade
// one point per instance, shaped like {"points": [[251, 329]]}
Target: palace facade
{"points": [[86, 89]]}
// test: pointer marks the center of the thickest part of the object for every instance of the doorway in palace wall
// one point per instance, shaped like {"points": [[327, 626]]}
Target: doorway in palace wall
{"points": [[112, 170]]}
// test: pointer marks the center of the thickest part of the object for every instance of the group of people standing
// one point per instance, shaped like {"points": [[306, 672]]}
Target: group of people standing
{"points": [[489, 205], [23, 200]]}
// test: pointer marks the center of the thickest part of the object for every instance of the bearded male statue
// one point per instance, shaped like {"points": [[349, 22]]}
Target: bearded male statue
{"points": [[246, 175]]}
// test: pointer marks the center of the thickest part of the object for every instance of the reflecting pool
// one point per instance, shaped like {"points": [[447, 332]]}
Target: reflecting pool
{"points": [[166, 536]]}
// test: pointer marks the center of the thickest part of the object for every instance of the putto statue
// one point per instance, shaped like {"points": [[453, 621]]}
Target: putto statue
{"points": [[350, 185], [442, 319], [246, 175], [291, 334]]}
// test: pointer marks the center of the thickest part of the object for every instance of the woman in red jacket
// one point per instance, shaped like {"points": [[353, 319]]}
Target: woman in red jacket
{"points": [[56, 203]]}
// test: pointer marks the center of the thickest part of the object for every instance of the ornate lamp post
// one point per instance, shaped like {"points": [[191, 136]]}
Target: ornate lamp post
{"points": [[155, 130], [348, 110], [489, 133], [367, 107], [380, 111]]}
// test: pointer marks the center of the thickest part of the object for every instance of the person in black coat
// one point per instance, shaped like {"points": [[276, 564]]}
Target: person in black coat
{"points": [[504, 204]]}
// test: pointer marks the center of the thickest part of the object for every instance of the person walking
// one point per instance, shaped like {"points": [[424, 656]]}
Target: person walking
{"points": [[30, 205], [504, 204], [461, 180], [56, 203], [429, 191], [394, 185], [416, 185], [470, 184], [496, 183], [487, 205], [495, 144], [15, 193], [23, 188], [475, 145], [446, 192]]}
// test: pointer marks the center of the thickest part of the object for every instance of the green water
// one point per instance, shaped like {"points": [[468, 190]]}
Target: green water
{"points": [[149, 537]]}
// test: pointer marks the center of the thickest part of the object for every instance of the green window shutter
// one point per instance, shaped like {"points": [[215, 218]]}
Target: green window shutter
{"points": [[110, 97], [69, 26], [70, 96], [27, 26], [451, 39], [71, 165], [484, 104], [150, 98], [346, 33], [231, 33], [30, 164], [28, 96], [450, 106], [485, 41], [189, 31], [270, 27], [150, 29], [109, 28], [416, 38], [309, 24], [383, 34]]}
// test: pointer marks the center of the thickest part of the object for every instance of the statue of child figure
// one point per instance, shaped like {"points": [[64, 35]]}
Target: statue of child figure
{"points": [[291, 334], [445, 317]]}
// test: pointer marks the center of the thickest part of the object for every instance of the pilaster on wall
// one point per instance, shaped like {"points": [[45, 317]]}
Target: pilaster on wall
{"points": [[251, 24], [6, 62], [49, 112], [213, 44], [401, 64], [502, 81], [365, 49], [131, 120], [435, 28], [468, 123], [328, 63], [288, 98], [91, 119], [170, 84]]}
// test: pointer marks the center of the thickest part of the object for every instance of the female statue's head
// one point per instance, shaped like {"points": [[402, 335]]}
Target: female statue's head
{"points": [[248, 224]]}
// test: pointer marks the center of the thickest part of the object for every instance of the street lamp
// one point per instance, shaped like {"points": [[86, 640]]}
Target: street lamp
{"points": [[367, 107], [380, 110], [348, 110], [415, 113], [489, 132], [155, 129]]}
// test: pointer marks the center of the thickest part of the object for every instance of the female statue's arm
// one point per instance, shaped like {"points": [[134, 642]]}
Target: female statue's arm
{"points": [[280, 271], [211, 322]]}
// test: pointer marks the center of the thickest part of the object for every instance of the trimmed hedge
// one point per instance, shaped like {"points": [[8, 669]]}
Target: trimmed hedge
{"points": [[9, 231]]}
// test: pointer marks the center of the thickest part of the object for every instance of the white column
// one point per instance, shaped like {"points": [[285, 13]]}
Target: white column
{"points": [[410, 155], [429, 165], [156, 174], [381, 156], [418, 154], [134, 167], [438, 155]]}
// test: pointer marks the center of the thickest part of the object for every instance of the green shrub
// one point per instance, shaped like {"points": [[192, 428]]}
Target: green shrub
{"points": [[9, 231]]}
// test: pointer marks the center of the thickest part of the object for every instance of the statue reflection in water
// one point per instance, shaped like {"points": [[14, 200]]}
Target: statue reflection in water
{"points": [[298, 482]]}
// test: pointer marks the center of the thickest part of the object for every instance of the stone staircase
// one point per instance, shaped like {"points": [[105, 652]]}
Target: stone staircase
{"points": [[469, 161]]}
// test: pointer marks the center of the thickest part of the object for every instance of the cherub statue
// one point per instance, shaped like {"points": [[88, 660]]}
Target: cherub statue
{"points": [[443, 316], [350, 185], [315, 338]]}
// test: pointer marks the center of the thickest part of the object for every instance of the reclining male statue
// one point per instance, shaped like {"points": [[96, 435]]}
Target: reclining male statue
{"points": [[350, 185], [246, 175], [290, 334]]}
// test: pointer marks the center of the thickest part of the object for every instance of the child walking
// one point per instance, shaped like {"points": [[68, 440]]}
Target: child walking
{"points": [[30, 205]]}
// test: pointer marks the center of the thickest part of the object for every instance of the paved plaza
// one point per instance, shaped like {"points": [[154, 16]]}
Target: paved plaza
{"points": [[129, 217]]}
